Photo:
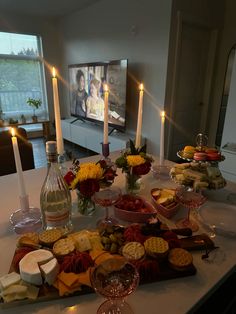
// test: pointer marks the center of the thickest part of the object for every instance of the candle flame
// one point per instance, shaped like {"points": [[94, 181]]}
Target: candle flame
{"points": [[54, 72], [141, 88], [105, 88], [13, 132], [163, 114]]}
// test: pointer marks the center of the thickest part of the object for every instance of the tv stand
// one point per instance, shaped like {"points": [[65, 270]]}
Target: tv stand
{"points": [[113, 130], [76, 119], [90, 135]]}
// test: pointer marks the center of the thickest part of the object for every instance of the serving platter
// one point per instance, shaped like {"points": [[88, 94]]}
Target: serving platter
{"points": [[165, 272]]}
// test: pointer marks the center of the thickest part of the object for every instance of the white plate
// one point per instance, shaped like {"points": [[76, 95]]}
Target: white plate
{"points": [[219, 216]]}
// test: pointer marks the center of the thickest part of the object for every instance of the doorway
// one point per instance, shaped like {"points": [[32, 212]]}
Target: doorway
{"points": [[194, 56]]}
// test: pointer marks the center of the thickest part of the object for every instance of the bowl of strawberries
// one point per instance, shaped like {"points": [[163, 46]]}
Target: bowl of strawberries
{"points": [[134, 208]]}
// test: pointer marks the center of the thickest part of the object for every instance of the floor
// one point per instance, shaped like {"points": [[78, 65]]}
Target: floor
{"points": [[72, 151]]}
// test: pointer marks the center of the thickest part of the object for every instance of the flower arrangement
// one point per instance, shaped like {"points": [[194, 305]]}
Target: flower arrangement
{"points": [[134, 162], [88, 178]]}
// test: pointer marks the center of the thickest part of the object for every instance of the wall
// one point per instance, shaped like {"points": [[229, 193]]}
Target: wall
{"points": [[227, 40], [134, 29], [47, 28]]}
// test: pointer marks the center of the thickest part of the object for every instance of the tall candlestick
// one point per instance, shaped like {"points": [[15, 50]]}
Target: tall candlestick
{"points": [[60, 144], [140, 117], [19, 171], [162, 138], [105, 130]]}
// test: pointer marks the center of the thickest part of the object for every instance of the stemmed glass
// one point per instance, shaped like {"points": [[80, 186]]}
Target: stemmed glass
{"points": [[107, 198], [191, 200], [115, 279]]}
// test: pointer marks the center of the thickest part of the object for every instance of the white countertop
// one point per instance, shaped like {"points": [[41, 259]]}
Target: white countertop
{"points": [[173, 296]]}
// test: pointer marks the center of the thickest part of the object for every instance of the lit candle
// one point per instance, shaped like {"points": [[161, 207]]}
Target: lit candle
{"points": [[162, 138], [19, 171], [105, 130], [60, 144], [140, 117]]}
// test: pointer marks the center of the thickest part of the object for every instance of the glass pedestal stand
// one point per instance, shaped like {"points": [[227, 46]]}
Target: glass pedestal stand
{"points": [[161, 171], [27, 218]]}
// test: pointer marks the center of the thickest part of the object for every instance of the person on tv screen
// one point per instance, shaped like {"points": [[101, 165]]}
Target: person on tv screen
{"points": [[79, 96], [95, 104]]}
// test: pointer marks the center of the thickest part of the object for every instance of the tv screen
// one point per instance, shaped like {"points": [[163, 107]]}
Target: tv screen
{"points": [[87, 94]]}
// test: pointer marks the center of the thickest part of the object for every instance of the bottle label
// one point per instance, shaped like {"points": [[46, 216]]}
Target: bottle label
{"points": [[54, 219]]}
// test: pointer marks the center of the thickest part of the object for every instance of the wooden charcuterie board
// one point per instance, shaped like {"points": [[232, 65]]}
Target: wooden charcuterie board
{"points": [[48, 293]]}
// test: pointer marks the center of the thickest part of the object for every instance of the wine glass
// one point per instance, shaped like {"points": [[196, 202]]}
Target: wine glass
{"points": [[115, 279], [106, 198], [191, 200]]}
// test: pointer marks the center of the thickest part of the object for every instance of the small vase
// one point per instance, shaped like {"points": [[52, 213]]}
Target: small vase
{"points": [[133, 183], [86, 205], [34, 118]]}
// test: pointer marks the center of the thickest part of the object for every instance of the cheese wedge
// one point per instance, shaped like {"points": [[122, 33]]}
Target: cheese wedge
{"points": [[50, 270], [29, 266]]}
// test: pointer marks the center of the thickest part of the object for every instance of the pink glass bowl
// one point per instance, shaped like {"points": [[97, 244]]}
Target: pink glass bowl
{"points": [[136, 216]]}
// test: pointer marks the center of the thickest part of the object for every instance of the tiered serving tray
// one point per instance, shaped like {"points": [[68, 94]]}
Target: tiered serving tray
{"points": [[180, 155]]}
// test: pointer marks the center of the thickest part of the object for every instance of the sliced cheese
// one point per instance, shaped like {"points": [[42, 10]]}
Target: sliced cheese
{"points": [[14, 289], [29, 266], [50, 270], [168, 192], [81, 241], [14, 296], [14, 292], [9, 279], [32, 292], [95, 241]]}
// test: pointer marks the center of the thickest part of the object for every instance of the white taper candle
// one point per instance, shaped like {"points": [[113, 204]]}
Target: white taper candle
{"points": [[140, 118], [19, 171], [162, 135], [59, 138]]}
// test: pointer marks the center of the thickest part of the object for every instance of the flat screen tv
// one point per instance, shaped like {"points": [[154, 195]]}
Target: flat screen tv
{"points": [[87, 94]]}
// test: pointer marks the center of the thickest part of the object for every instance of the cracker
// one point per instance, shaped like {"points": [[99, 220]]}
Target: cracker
{"points": [[133, 250], [48, 237], [30, 239], [180, 259], [156, 247], [33, 236], [63, 247]]}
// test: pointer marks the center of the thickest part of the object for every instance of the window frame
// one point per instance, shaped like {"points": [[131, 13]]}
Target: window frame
{"points": [[40, 59]]}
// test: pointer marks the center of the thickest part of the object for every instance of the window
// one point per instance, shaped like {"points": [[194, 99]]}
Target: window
{"points": [[21, 76]]}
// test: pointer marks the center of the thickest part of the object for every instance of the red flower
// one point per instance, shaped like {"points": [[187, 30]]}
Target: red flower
{"points": [[89, 187], [69, 177], [109, 175], [103, 163], [142, 169]]}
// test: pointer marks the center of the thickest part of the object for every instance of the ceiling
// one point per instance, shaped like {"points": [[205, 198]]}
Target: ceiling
{"points": [[48, 8]]}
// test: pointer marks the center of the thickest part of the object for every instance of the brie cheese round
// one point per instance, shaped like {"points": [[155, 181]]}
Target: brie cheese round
{"points": [[30, 266]]}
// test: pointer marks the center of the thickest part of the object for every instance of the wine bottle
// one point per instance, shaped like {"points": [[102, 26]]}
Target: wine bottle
{"points": [[55, 198]]}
